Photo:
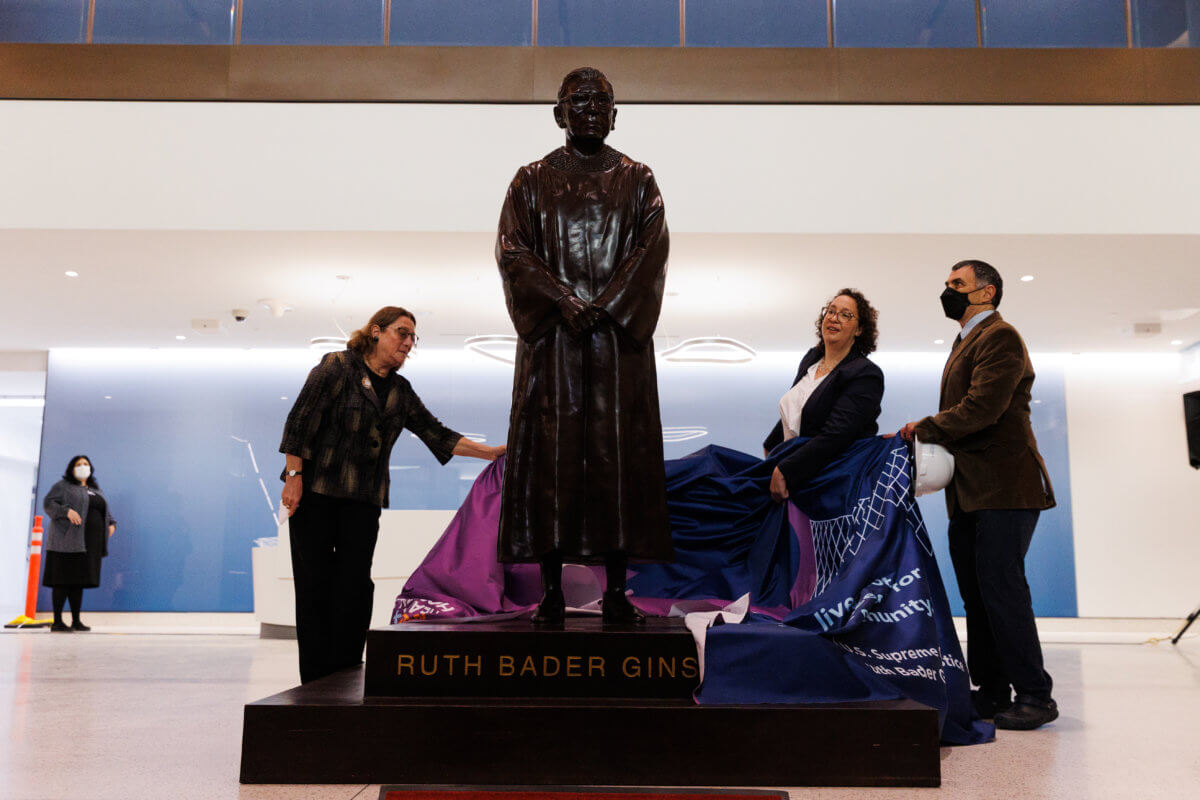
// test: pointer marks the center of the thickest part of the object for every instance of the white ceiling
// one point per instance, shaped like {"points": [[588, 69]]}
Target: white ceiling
{"points": [[144, 288]]}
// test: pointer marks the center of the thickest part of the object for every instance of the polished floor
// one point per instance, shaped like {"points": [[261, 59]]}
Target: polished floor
{"points": [[133, 715]]}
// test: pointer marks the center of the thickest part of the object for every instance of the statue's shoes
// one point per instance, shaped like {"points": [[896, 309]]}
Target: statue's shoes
{"points": [[617, 610], [552, 610]]}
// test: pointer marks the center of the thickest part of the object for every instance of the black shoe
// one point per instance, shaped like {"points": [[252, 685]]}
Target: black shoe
{"points": [[552, 610], [1027, 713], [987, 706], [79, 626], [59, 627], [617, 610]]}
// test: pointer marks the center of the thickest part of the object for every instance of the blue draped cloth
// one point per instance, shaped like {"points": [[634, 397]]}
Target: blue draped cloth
{"points": [[849, 600], [846, 598]]}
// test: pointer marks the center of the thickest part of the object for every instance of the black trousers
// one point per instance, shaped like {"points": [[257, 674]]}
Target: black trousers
{"points": [[333, 542], [1003, 651]]}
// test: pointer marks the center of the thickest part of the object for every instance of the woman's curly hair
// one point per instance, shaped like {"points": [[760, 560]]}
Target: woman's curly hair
{"points": [[868, 323]]}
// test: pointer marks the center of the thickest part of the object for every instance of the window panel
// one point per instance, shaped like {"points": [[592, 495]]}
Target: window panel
{"points": [[757, 23], [904, 23], [163, 22], [1166, 23], [1054, 23], [312, 21], [43, 21], [608, 23], [462, 22]]}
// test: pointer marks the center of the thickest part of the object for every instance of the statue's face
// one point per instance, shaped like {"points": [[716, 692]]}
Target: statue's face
{"points": [[587, 111]]}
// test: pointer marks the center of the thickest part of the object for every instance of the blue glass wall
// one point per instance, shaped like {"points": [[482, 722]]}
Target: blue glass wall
{"points": [[186, 451], [163, 22], [312, 22], [614, 23], [757, 23], [1054, 23], [62, 21], [907, 23], [1166, 23], [608, 23], [462, 22]]}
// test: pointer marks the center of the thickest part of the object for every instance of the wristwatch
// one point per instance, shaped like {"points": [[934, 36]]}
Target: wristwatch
{"points": [[294, 473]]}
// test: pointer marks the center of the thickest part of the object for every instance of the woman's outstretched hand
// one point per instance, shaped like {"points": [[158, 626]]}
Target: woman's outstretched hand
{"points": [[779, 491], [466, 447]]}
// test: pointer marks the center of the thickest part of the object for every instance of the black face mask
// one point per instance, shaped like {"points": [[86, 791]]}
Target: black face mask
{"points": [[955, 303]]}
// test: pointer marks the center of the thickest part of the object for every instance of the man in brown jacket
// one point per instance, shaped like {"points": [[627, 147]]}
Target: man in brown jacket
{"points": [[999, 487]]}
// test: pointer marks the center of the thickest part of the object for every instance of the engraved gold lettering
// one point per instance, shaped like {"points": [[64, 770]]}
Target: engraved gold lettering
{"points": [[666, 667], [507, 666], [631, 667], [574, 665], [595, 664], [476, 664], [405, 662], [528, 665], [546, 662], [449, 659], [431, 670], [690, 669]]}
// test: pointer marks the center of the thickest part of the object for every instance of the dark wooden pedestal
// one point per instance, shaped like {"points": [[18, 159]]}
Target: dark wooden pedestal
{"points": [[329, 732]]}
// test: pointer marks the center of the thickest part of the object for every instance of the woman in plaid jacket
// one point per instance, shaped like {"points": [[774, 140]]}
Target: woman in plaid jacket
{"points": [[338, 439]]}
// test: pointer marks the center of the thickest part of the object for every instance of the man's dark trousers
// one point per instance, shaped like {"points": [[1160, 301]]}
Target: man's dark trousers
{"points": [[988, 550], [333, 543]]}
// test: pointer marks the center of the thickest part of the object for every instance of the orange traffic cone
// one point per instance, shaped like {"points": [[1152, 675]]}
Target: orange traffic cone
{"points": [[27, 620]]}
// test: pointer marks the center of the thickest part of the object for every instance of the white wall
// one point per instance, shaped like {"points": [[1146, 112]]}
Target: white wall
{"points": [[22, 387], [1135, 499], [412, 167]]}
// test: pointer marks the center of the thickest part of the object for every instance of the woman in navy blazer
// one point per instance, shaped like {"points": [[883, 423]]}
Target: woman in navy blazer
{"points": [[835, 398]]}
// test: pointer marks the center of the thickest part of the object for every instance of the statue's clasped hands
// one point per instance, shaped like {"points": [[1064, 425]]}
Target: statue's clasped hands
{"points": [[579, 316]]}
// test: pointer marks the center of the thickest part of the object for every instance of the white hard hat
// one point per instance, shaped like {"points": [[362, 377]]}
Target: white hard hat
{"points": [[933, 467]]}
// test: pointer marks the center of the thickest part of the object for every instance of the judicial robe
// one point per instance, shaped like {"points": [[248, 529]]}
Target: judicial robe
{"points": [[584, 468]]}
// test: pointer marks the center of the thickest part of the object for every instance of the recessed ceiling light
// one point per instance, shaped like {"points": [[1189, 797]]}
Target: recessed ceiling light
{"points": [[71, 273], [283, 398], [1176, 342], [1027, 278], [181, 337], [939, 341], [108, 397]]}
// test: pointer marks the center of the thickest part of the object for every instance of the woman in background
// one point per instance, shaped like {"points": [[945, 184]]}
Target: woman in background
{"points": [[835, 398], [80, 524]]}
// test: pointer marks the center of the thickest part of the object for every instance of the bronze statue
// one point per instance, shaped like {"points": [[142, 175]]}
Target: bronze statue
{"points": [[582, 250]]}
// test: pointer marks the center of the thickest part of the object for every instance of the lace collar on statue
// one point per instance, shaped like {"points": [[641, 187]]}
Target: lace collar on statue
{"points": [[567, 161]]}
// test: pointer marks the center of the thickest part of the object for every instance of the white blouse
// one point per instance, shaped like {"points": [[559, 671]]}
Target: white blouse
{"points": [[791, 405]]}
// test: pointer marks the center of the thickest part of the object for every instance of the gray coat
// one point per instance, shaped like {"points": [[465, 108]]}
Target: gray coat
{"points": [[61, 535]]}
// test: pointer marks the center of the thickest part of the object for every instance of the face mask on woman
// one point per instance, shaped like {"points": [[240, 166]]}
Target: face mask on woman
{"points": [[82, 472]]}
